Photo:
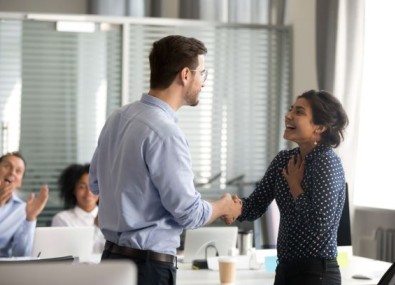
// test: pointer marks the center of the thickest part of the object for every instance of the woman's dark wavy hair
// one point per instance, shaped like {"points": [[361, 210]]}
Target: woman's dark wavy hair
{"points": [[68, 180], [327, 111]]}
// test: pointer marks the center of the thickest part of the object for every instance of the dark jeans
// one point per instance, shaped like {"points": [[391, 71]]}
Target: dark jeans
{"points": [[308, 272], [150, 272]]}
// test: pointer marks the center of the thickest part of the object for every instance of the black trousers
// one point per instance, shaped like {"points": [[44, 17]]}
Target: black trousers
{"points": [[308, 272], [150, 272]]}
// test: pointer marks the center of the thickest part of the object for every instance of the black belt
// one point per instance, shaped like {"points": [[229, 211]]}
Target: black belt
{"points": [[139, 253], [312, 260]]}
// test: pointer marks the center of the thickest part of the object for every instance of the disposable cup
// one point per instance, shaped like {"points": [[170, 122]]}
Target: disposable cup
{"points": [[227, 270]]}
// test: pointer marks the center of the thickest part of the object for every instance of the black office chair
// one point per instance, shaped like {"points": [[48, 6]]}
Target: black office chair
{"points": [[388, 277], [344, 230]]}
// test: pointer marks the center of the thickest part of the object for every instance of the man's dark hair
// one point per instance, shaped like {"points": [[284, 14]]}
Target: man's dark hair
{"points": [[170, 55]]}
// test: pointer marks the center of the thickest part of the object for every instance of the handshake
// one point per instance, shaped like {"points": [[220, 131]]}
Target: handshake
{"points": [[231, 207]]}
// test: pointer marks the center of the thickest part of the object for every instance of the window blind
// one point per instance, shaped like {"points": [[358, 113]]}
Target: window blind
{"points": [[10, 84], [70, 83]]}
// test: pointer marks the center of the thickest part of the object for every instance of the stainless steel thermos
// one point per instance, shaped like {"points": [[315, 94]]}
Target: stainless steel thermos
{"points": [[244, 241]]}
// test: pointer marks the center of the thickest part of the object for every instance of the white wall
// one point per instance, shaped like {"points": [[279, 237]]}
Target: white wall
{"points": [[301, 15]]}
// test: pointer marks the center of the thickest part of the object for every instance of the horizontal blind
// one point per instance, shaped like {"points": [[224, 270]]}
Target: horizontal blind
{"points": [[65, 90], [10, 84]]}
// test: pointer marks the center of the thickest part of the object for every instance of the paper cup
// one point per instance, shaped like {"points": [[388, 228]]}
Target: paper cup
{"points": [[227, 270]]}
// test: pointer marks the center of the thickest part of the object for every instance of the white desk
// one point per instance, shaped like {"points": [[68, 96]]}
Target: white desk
{"points": [[358, 265], [187, 276]]}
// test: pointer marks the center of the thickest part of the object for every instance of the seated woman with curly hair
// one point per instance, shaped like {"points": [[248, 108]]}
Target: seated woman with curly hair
{"points": [[80, 202]]}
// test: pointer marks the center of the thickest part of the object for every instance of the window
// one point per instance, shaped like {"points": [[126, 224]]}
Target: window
{"points": [[374, 164], [56, 91]]}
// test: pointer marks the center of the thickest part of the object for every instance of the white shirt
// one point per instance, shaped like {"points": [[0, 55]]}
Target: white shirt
{"points": [[77, 217]]}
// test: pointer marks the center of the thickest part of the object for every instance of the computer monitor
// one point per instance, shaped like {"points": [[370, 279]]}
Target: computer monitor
{"points": [[211, 239]]}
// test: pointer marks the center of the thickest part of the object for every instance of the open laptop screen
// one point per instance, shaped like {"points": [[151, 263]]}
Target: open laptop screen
{"points": [[50, 242]]}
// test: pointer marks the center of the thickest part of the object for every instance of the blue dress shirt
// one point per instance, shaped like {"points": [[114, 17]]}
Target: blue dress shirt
{"points": [[308, 225], [16, 233], [142, 171]]}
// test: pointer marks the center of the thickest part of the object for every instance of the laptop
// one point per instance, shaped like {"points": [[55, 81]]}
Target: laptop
{"points": [[120, 272], [51, 242], [214, 240]]}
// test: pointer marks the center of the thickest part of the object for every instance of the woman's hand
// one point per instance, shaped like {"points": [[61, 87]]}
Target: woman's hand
{"points": [[294, 175], [237, 209]]}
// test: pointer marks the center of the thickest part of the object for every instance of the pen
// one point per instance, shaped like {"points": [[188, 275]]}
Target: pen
{"points": [[38, 255]]}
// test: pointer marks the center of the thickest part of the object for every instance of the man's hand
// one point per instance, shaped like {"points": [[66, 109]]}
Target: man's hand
{"points": [[6, 190], [225, 207], [35, 205], [236, 209]]}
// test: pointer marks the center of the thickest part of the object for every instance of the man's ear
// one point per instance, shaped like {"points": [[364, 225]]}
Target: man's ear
{"points": [[184, 74]]}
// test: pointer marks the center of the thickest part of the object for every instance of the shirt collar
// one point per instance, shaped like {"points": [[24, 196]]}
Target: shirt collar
{"points": [[316, 151], [15, 199], [153, 101], [81, 212]]}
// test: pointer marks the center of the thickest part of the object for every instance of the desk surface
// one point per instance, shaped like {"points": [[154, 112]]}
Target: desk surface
{"points": [[357, 265]]}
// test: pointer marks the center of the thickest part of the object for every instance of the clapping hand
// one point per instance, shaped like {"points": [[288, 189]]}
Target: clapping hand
{"points": [[35, 205]]}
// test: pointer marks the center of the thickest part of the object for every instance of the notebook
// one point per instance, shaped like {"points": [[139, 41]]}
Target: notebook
{"points": [[50, 242], [109, 272], [220, 239]]}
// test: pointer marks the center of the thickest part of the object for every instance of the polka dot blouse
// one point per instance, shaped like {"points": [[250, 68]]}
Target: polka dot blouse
{"points": [[308, 225]]}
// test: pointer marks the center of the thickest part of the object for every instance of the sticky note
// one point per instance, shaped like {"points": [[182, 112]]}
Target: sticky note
{"points": [[342, 259], [270, 263]]}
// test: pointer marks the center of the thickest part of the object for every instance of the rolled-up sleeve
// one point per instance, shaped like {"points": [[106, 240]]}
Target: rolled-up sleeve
{"points": [[170, 166]]}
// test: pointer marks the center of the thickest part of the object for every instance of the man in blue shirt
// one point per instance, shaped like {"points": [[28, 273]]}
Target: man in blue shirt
{"points": [[17, 218], [142, 167]]}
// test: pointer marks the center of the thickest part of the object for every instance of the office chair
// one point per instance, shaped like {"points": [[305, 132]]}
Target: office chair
{"points": [[388, 277], [344, 230]]}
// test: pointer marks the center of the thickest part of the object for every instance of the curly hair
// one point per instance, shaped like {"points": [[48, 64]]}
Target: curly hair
{"points": [[68, 180], [328, 112]]}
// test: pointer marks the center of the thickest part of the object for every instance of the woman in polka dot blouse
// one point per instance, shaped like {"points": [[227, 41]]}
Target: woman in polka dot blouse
{"points": [[308, 184]]}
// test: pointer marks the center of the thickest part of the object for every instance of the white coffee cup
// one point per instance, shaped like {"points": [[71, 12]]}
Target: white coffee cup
{"points": [[227, 270]]}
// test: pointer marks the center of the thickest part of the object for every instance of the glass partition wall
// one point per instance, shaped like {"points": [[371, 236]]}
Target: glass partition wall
{"points": [[60, 79]]}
